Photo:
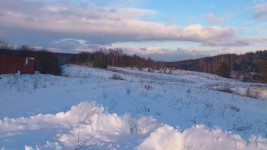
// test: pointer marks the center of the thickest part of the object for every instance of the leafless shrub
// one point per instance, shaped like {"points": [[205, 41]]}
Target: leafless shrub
{"points": [[105, 94], [133, 126], [253, 92], [141, 81], [117, 77], [188, 90], [88, 142], [240, 125], [83, 144], [12, 82], [128, 91], [148, 87], [35, 85], [235, 108], [13, 79], [143, 109]]}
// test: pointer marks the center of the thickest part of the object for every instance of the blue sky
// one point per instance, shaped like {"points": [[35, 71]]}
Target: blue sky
{"points": [[163, 30]]}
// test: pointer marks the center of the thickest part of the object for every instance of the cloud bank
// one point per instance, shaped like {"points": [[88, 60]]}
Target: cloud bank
{"points": [[104, 24]]}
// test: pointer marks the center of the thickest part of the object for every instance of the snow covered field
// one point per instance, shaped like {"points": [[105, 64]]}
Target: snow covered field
{"points": [[119, 108]]}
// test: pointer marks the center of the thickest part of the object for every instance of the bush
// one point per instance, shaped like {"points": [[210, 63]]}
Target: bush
{"points": [[117, 77], [148, 87], [235, 108]]}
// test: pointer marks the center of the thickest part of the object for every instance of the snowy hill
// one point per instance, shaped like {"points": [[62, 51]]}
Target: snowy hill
{"points": [[120, 108]]}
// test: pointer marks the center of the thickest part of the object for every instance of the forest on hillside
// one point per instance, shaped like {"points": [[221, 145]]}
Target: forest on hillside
{"points": [[247, 67], [250, 67]]}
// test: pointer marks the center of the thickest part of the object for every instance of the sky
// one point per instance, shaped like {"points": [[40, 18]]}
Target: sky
{"points": [[163, 30]]}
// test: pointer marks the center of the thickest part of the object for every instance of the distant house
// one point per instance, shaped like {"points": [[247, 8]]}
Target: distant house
{"points": [[16, 64]]}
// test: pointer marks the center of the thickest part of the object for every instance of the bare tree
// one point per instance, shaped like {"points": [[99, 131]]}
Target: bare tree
{"points": [[4, 45]]}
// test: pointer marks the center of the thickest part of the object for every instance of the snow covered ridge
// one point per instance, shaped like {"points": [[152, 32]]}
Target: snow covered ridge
{"points": [[88, 126], [254, 90]]}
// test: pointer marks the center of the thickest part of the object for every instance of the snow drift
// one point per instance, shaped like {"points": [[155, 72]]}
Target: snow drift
{"points": [[90, 126]]}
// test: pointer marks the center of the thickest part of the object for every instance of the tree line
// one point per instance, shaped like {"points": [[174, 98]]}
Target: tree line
{"points": [[114, 57], [249, 66], [50, 62]]}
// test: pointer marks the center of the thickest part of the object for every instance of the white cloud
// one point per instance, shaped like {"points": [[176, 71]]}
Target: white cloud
{"points": [[90, 26], [233, 41], [228, 42], [211, 18], [71, 40], [105, 24], [78, 45], [260, 11], [258, 39], [160, 53]]}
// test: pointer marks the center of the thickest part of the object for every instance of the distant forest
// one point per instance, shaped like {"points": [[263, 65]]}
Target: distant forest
{"points": [[247, 67], [250, 67]]}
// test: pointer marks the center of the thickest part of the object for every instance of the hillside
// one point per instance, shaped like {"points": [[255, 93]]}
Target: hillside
{"points": [[247, 67], [120, 108]]}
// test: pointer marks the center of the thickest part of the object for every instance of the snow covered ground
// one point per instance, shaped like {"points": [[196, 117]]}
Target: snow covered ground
{"points": [[119, 108]]}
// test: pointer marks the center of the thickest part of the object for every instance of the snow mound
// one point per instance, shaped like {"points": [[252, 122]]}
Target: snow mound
{"points": [[88, 125], [198, 137]]}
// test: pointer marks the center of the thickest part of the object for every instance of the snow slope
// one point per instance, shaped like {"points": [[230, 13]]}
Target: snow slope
{"points": [[89, 109]]}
